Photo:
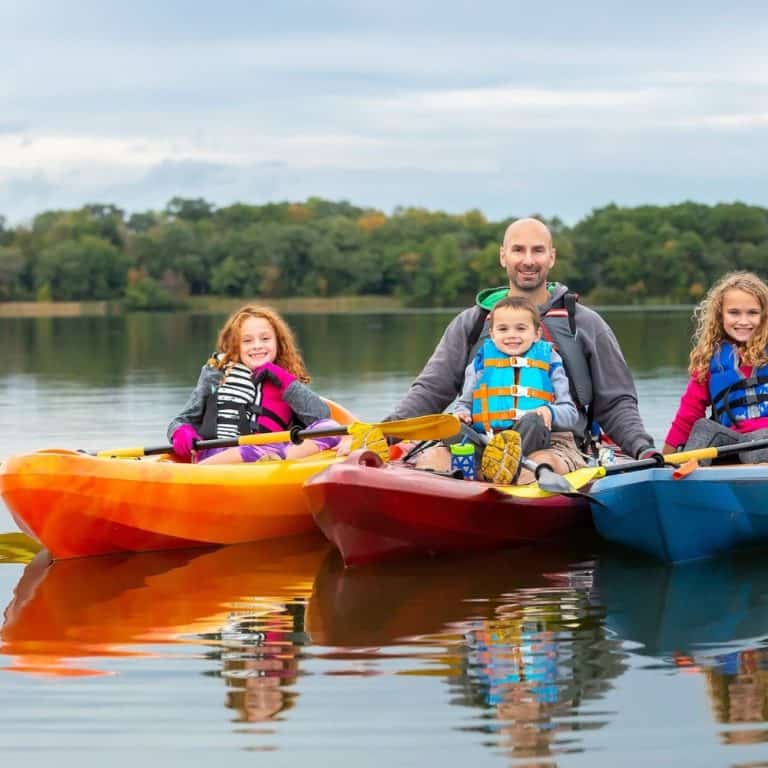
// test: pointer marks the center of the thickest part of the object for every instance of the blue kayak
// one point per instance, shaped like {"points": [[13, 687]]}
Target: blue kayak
{"points": [[712, 511]]}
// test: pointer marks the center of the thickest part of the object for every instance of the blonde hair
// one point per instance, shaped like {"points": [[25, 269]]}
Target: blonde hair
{"points": [[710, 333], [288, 354]]}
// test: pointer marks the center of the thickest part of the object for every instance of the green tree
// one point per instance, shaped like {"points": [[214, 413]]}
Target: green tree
{"points": [[189, 209], [76, 270], [12, 269]]}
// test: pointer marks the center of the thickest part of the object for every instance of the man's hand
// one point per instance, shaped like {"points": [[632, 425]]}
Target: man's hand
{"points": [[651, 452]]}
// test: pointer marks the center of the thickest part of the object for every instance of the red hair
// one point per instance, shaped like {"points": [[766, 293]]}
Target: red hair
{"points": [[288, 354]]}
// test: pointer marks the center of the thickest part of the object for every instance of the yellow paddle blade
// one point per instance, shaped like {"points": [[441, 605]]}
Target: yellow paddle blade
{"points": [[584, 476], [17, 548], [435, 427], [577, 479]]}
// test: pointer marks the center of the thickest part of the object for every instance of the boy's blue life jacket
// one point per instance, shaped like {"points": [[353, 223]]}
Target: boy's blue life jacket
{"points": [[507, 387]]}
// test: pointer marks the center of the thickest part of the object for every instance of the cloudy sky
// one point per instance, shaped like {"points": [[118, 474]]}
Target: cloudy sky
{"points": [[510, 107]]}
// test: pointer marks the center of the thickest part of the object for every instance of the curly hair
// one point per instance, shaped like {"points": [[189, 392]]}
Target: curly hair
{"points": [[710, 332], [288, 354]]}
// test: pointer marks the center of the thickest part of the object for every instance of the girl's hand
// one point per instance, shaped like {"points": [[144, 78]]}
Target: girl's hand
{"points": [[183, 439], [464, 417], [545, 414], [274, 373]]}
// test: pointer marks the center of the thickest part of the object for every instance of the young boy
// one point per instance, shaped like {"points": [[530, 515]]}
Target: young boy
{"points": [[516, 383]]}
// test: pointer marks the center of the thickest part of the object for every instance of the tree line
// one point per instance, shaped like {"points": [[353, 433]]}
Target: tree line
{"points": [[156, 260]]}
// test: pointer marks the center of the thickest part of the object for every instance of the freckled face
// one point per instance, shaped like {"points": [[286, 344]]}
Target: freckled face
{"points": [[258, 342], [513, 330], [741, 315]]}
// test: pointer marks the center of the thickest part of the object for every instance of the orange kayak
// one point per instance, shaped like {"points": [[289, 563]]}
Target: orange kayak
{"points": [[75, 504]]}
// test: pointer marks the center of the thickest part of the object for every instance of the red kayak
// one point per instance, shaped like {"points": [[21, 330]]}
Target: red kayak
{"points": [[374, 511]]}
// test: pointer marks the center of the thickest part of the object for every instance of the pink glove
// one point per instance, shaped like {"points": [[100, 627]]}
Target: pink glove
{"points": [[274, 373], [183, 439]]}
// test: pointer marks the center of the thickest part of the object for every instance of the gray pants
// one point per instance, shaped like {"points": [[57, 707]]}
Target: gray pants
{"points": [[534, 435], [706, 433]]}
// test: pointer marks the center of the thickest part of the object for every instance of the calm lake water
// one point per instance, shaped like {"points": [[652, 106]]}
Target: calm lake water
{"points": [[536, 656]]}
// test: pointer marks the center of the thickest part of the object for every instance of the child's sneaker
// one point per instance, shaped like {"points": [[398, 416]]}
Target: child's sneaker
{"points": [[501, 458]]}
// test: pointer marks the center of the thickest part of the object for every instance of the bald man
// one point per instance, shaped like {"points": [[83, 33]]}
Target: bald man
{"points": [[601, 383]]}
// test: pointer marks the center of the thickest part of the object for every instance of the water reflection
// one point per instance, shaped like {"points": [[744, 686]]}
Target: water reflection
{"points": [[108, 351], [708, 618], [71, 617], [258, 653], [517, 636]]}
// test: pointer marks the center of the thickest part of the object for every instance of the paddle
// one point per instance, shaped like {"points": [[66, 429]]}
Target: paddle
{"points": [[589, 474], [711, 452], [547, 479], [435, 427]]}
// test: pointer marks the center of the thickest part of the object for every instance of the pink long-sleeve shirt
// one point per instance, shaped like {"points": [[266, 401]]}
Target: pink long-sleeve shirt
{"points": [[693, 406]]}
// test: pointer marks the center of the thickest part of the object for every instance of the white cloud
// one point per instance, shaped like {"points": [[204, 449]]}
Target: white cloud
{"points": [[129, 101], [511, 98], [743, 121]]}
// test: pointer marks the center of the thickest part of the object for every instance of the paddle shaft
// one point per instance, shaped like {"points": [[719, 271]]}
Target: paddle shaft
{"points": [[436, 426], [711, 452], [295, 436]]}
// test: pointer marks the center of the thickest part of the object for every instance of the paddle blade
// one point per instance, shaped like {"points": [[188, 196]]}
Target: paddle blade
{"points": [[434, 427], [584, 476], [550, 481]]}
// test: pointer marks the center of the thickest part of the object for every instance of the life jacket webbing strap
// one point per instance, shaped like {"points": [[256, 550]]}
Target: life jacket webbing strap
{"points": [[260, 410], [485, 416], [747, 383], [516, 391], [516, 362]]}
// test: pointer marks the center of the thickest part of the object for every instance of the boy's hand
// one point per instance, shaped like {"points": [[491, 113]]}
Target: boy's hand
{"points": [[464, 417], [545, 414]]}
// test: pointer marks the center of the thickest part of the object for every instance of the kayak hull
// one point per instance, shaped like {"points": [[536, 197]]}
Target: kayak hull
{"points": [[77, 505], [710, 512], [374, 512]]}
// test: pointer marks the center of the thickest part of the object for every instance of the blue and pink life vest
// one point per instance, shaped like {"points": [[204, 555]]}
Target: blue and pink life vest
{"points": [[735, 397]]}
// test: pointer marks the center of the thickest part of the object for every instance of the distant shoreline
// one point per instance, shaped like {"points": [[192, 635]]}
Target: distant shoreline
{"points": [[206, 305], [302, 305]]}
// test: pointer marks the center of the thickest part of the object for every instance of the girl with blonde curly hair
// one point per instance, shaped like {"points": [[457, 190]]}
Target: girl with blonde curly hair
{"points": [[255, 382], [728, 368]]}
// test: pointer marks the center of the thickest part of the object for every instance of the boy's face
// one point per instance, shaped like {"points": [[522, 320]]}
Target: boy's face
{"points": [[513, 330]]}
